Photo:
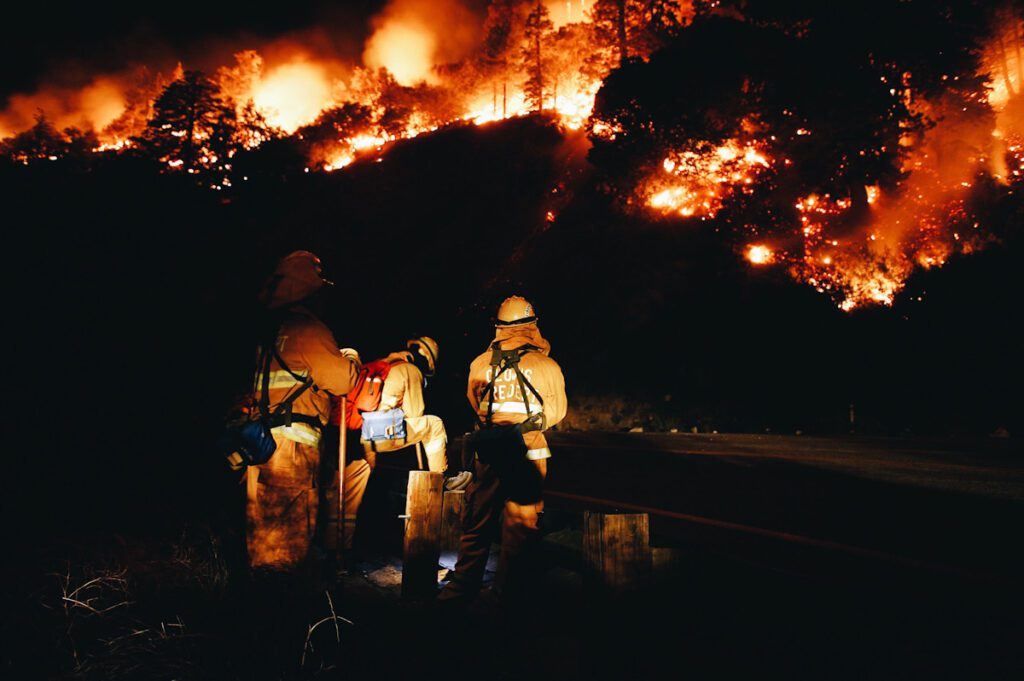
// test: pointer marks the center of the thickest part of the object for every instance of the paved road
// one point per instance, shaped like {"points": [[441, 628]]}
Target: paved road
{"points": [[816, 505], [837, 558]]}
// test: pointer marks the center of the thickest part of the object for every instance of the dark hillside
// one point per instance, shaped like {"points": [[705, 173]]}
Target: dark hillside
{"points": [[132, 296]]}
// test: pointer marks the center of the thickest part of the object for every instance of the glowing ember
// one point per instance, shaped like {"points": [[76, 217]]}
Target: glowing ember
{"points": [[759, 254], [871, 265]]}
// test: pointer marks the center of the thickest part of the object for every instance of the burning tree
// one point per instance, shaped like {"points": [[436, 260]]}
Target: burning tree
{"points": [[329, 137], [493, 62], [142, 87], [534, 60], [39, 143], [635, 28], [1005, 62], [192, 128]]}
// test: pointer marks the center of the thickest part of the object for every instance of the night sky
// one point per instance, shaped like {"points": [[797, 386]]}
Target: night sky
{"points": [[64, 43]]}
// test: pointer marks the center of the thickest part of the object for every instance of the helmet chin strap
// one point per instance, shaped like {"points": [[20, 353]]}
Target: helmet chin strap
{"points": [[517, 322], [429, 356], [423, 361]]}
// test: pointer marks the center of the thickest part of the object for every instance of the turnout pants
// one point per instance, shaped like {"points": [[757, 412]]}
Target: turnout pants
{"points": [[504, 498], [426, 429], [282, 505]]}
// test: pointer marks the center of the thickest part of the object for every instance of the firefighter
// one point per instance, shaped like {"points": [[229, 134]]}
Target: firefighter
{"points": [[507, 484], [403, 388], [282, 493]]}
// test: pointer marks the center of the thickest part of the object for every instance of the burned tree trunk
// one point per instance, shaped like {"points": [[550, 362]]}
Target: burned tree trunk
{"points": [[538, 27], [858, 200], [1018, 35], [539, 66], [1004, 60]]}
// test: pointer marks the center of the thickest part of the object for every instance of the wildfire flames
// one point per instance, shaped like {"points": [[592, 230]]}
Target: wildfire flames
{"points": [[291, 95], [697, 182], [921, 223], [759, 254], [437, 66], [411, 46]]}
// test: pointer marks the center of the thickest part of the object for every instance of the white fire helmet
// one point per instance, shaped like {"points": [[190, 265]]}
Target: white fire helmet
{"points": [[428, 348], [515, 310]]}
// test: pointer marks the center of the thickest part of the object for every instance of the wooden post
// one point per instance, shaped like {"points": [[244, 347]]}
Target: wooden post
{"points": [[422, 546], [616, 549], [451, 520], [419, 456], [342, 437]]}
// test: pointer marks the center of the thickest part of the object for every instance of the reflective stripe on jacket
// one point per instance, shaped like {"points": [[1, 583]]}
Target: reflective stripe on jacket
{"points": [[308, 347]]}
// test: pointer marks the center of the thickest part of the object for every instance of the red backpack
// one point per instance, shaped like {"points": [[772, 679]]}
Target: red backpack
{"points": [[366, 394]]}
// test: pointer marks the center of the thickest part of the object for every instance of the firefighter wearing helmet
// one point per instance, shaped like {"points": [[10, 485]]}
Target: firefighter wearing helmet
{"points": [[282, 501], [517, 391], [402, 389]]}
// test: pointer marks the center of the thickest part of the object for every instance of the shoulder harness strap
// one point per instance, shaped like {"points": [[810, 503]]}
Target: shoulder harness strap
{"points": [[502, 361], [282, 413]]}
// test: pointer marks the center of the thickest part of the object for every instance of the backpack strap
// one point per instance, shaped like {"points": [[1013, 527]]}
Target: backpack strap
{"points": [[531, 422], [264, 377], [502, 361], [282, 413]]}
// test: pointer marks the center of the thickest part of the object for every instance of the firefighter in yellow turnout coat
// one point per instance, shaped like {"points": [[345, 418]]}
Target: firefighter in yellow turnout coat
{"points": [[402, 389], [282, 495], [508, 486]]}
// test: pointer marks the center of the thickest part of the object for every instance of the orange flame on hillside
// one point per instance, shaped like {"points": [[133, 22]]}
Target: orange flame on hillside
{"points": [[698, 181], [412, 43], [919, 224], [423, 68]]}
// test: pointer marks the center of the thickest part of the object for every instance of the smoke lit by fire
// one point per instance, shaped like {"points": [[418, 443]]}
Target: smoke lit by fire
{"points": [[411, 38], [93, 107], [292, 94]]}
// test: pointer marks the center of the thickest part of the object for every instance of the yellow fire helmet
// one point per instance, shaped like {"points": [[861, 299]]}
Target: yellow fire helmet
{"points": [[428, 348], [515, 310]]}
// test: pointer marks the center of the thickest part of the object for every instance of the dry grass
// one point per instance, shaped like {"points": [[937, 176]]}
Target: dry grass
{"points": [[103, 638], [168, 610], [199, 552], [334, 619]]}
